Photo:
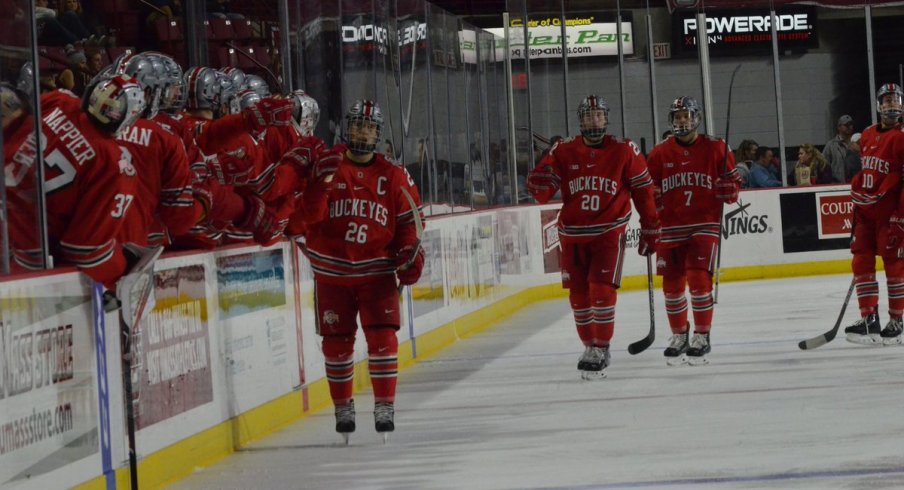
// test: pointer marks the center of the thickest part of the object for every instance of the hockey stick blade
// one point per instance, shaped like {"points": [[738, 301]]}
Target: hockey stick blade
{"points": [[827, 337], [642, 344]]}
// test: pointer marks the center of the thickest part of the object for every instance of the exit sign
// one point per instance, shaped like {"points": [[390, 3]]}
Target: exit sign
{"points": [[662, 51]]}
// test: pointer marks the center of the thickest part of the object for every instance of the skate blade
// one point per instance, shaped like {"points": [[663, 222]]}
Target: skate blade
{"points": [[892, 340], [697, 361], [871, 340], [345, 437], [676, 361], [386, 438], [593, 375]]}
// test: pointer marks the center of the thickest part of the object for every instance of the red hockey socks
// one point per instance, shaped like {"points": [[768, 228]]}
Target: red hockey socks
{"points": [[383, 361], [701, 286], [675, 302], [602, 297], [864, 267], [583, 314], [339, 352], [894, 273]]}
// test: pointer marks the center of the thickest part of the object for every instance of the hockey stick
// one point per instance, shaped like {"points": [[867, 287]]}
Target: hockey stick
{"points": [[539, 137], [724, 169], [134, 290], [827, 337], [418, 230], [642, 344]]}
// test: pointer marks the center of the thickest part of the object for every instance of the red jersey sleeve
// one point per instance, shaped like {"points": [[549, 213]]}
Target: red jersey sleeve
{"points": [[641, 185], [177, 209], [406, 232]]}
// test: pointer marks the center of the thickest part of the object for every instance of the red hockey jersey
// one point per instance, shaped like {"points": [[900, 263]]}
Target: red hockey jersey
{"points": [[598, 184], [882, 158], [686, 176], [89, 188], [163, 203], [360, 221]]}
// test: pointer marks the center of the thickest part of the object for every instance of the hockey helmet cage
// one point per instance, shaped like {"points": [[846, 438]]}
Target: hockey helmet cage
{"points": [[257, 84], [363, 117], [690, 124], [893, 108], [590, 105], [306, 111], [202, 88], [114, 103], [172, 97]]}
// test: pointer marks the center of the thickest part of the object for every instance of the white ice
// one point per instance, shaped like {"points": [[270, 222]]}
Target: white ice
{"points": [[507, 409]]}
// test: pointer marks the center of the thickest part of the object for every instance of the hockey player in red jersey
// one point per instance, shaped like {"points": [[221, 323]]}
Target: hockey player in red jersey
{"points": [[878, 226], [89, 186], [163, 206], [692, 179], [361, 238], [599, 175]]}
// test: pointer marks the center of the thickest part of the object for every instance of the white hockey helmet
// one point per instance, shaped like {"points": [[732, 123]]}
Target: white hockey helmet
{"points": [[686, 125], [257, 84], [172, 97], [306, 111], [363, 126], [113, 103], [889, 101], [589, 110]]}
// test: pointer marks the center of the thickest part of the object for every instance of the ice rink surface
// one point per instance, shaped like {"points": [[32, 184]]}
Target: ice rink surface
{"points": [[507, 409]]}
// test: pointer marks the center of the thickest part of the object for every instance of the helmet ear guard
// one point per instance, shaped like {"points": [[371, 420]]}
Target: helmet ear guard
{"points": [[689, 104], [360, 114], [592, 104]]}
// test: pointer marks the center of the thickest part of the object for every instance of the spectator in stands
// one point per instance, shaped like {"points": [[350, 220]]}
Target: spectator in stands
{"points": [[744, 157], [852, 164], [72, 17], [760, 175], [800, 172], [95, 60], [836, 149], [811, 168], [155, 10], [219, 9], [50, 31]]}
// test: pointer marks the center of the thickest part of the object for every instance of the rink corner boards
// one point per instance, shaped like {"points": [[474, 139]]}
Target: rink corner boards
{"points": [[200, 450]]}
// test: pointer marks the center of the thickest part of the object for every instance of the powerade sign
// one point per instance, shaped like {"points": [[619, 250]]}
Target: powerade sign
{"points": [[746, 31]]}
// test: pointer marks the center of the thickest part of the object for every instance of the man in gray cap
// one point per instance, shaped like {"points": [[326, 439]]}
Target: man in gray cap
{"points": [[836, 150]]}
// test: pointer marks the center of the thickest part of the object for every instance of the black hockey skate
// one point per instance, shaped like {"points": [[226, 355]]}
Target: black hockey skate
{"points": [[676, 353], [698, 349], [865, 331], [384, 418], [345, 419], [593, 362], [891, 334]]}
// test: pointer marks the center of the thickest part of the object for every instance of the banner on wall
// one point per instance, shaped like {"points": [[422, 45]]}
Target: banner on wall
{"points": [[744, 31], [428, 293], [48, 402], [172, 374], [816, 220], [251, 295], [584, 36], [552, 249]]}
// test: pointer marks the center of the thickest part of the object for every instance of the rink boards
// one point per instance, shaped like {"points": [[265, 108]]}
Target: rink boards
{"points": [[229, 353]]}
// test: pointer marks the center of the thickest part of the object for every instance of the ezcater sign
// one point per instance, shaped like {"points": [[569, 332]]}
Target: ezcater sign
{"points": [[741, 30]]}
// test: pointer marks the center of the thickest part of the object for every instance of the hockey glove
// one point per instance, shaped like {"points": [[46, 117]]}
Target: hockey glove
{"points": [[270, 111], [325, 166], [543, 180], [231, 167], [895, 242], [264, 222], [726, 190], [303, 157], [649, 239], [410, 264]]}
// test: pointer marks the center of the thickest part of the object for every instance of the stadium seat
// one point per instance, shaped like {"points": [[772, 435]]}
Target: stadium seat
{"points": [[115, 52], [169, 30], [219, 30], [243, 30]]}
